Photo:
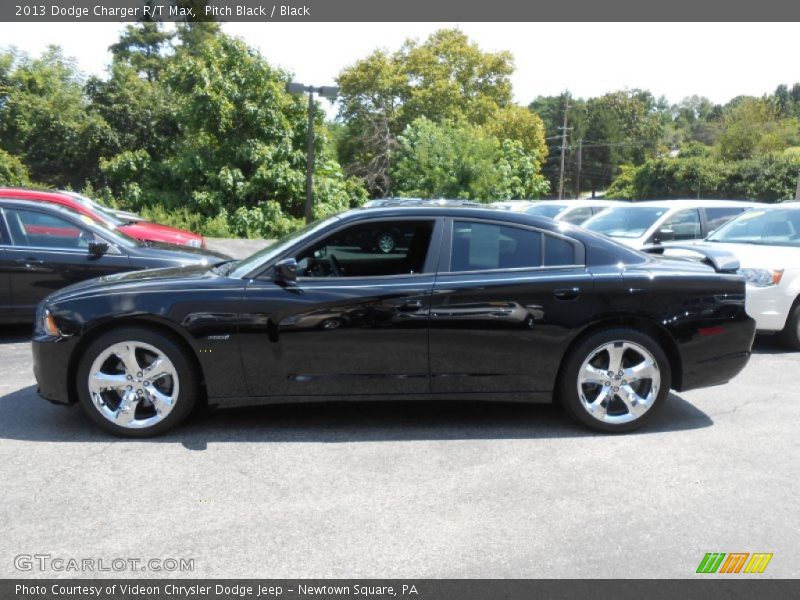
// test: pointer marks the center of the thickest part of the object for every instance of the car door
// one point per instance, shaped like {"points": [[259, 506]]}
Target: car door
{"points": [[6, 302], [354, 323], [49, 251], [503, 305]]}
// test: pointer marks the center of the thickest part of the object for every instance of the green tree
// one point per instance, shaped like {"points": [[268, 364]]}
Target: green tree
{"points": [[446, 78], [143, 47], [459, 160], [12, 171], [44, 119], [621, 128]]}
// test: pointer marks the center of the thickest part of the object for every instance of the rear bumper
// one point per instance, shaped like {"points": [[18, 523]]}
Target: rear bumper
{"points": [[51, 368], [715, 355]]}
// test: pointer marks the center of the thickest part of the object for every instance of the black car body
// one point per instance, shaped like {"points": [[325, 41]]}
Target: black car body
{"points": [[482, 304], [44, 247]]}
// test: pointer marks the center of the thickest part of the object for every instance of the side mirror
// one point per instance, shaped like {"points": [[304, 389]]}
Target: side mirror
{"points": [[286, 270], [97, 248]]}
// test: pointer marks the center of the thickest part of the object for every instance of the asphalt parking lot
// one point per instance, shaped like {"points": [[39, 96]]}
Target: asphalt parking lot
{"points": [[455, 489]]}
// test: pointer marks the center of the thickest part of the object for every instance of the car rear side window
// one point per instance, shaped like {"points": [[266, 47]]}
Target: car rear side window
{"points": [[558, 252], [717, 217], [683, 225], [486, 246]]}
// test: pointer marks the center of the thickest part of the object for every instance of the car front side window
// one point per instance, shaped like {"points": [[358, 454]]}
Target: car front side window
{"points": [[35, 229], [372, 249]]}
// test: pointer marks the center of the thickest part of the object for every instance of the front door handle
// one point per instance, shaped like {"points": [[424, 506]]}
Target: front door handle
{"points": [[567, 293], [31, 260], [411, 305]]}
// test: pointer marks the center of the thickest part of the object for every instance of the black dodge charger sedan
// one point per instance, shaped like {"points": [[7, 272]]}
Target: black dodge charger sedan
{"points": [[45, 247], [472, 303]]}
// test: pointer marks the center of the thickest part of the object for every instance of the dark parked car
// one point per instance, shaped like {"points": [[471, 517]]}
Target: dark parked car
{"points": [[44, 247], [482, 304]]}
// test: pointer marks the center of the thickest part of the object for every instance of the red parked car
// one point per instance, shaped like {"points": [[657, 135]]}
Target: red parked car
{"points": [[141, 230]]}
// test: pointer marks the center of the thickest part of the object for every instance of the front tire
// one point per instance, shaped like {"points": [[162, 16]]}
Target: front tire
{"points": [[615, 380], [136, 382], [791, 333]]}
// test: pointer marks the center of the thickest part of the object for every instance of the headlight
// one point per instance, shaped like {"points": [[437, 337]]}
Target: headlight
{"points": [[195, 243], [46, 323], [762, 277]]}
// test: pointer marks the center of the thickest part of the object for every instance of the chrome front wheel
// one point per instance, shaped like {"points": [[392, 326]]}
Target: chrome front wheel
{"points": [[133, 384], [137, 381]]}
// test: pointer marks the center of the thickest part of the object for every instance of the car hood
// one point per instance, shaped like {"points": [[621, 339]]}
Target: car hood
{"points": [[144, 230], [179, 254], [170, 278]]}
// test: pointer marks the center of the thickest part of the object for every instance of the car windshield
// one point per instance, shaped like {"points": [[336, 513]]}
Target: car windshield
{"points": [[770, 227], [551, 211], [246, 265], [104, 213], [625, 222]]}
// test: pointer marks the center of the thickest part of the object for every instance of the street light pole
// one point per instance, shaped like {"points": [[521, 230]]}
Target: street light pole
{"points": [[310, 160], [326, 92]]}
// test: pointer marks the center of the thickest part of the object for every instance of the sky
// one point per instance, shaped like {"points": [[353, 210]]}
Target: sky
{"points": [[716, 60]]}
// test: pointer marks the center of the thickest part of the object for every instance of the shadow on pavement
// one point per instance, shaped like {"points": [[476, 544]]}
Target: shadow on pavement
{"points": [[25, 416], [770, 344], [15, 334]]}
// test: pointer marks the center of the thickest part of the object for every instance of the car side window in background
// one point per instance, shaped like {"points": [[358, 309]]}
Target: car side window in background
{"points": [[578, 215], [485, 246], [373, 249], [41, 230], [558, 252], [684, 225], [717, 217]]}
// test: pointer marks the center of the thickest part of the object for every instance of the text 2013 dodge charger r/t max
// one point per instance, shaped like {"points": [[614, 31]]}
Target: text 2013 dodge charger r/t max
{"points": [[474, 303]]}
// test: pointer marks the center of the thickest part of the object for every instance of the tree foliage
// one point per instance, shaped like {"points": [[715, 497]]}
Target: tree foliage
{"points": [[445, 79], [458, 160]]}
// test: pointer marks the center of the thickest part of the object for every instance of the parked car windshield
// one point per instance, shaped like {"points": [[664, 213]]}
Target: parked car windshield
{"points": [[776, 227], [625, 222], [551, 211], [110, 220]]}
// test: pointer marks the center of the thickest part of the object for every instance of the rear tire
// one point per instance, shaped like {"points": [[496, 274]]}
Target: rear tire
{"points": [[615, 380], [136, 382], [791, 333]]}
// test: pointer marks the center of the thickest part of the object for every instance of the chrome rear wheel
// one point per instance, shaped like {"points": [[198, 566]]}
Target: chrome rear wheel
{"points": [[618, 382]]}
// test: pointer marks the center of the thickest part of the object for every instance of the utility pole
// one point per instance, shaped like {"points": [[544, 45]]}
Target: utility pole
{"points": [[579, 163], [563, 148], [797, 191]]}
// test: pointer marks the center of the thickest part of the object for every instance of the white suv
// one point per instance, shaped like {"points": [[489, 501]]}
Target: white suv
{"points": [[767, 243], [643, 225]]}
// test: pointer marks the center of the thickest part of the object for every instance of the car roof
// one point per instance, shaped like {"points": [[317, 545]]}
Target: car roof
{"points": [[696, 203], [37, 194], [455, 211], [46, 206], [579, 201]]}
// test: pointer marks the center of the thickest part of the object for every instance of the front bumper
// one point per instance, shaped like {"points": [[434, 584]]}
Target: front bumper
{"points": [[51, 358], [769, 306]]}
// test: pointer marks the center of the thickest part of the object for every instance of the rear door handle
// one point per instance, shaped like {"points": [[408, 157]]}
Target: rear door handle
{"points": [[567, 293]]}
